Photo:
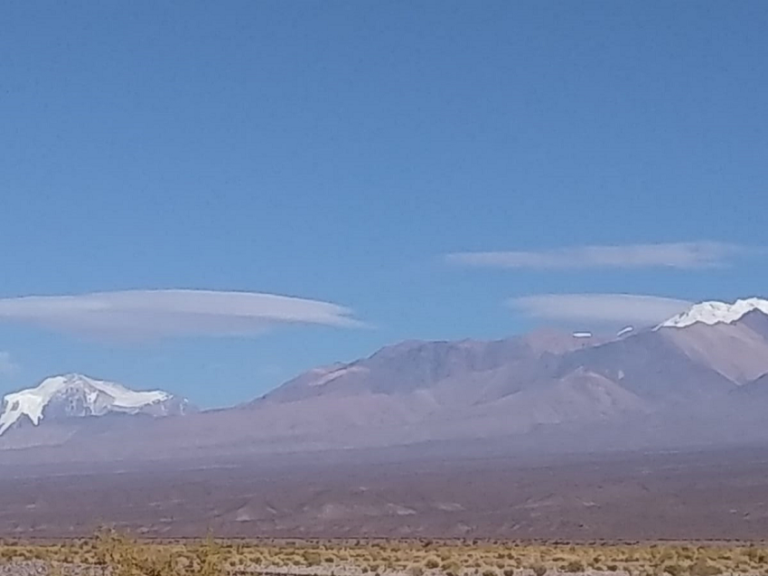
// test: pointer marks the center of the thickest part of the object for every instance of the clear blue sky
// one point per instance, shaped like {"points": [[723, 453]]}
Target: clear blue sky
{"points": [[339, 151]]}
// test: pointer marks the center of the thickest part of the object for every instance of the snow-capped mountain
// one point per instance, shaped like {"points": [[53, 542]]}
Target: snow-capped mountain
{"points": [[700, 369], [714, 312], [78, 396]]}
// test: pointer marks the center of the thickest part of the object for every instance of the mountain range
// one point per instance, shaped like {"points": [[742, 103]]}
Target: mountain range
{"points": [[700, 377]]}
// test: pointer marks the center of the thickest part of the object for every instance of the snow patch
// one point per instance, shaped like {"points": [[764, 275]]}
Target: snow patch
{"points": [[624, 331], [331, 376]]}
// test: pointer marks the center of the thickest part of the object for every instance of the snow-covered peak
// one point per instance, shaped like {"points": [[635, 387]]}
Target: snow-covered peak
{"points": [[715, 313], [79, 396]]}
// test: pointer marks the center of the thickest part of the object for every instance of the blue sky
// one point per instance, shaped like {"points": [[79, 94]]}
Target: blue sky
{"points": [[363, 158]]}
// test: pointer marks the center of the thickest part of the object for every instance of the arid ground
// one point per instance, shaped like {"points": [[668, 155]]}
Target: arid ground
{"points": [[694, 495]]}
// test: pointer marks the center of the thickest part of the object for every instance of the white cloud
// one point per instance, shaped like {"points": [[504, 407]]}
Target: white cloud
{"points": [[7, 366], [158, 313], [600, 308], [682, 255]]}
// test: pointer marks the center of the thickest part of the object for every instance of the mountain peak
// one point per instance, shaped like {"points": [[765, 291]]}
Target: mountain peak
{"points": [[77, 395], [714, 312]]}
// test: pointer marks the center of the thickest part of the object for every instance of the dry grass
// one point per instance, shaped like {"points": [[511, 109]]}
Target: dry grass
{"points": [[117, 555]]}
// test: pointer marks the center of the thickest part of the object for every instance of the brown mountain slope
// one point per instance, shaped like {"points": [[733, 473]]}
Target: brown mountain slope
{"points": [[653, 366], [420, 365], [738, 351]]}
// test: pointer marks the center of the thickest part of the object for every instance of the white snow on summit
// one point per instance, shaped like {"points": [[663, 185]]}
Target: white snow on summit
{"points": [[715, 313], [100, 397]]}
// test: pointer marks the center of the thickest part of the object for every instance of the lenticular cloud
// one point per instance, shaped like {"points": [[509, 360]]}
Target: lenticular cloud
{"points": [[608, 308], [680, 255], [162, 313]]}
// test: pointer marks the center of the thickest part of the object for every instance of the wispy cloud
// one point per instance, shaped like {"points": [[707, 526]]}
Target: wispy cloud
{"points": [[7, 366], [159, 313], [600, 308], [682, 255]]}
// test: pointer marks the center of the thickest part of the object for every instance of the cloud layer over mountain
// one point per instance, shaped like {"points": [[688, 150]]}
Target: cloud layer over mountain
{"points": [[610, 308], [162, 313]]}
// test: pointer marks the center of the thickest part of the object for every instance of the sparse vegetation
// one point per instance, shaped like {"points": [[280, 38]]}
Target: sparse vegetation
{"points": [[112, 554]]}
